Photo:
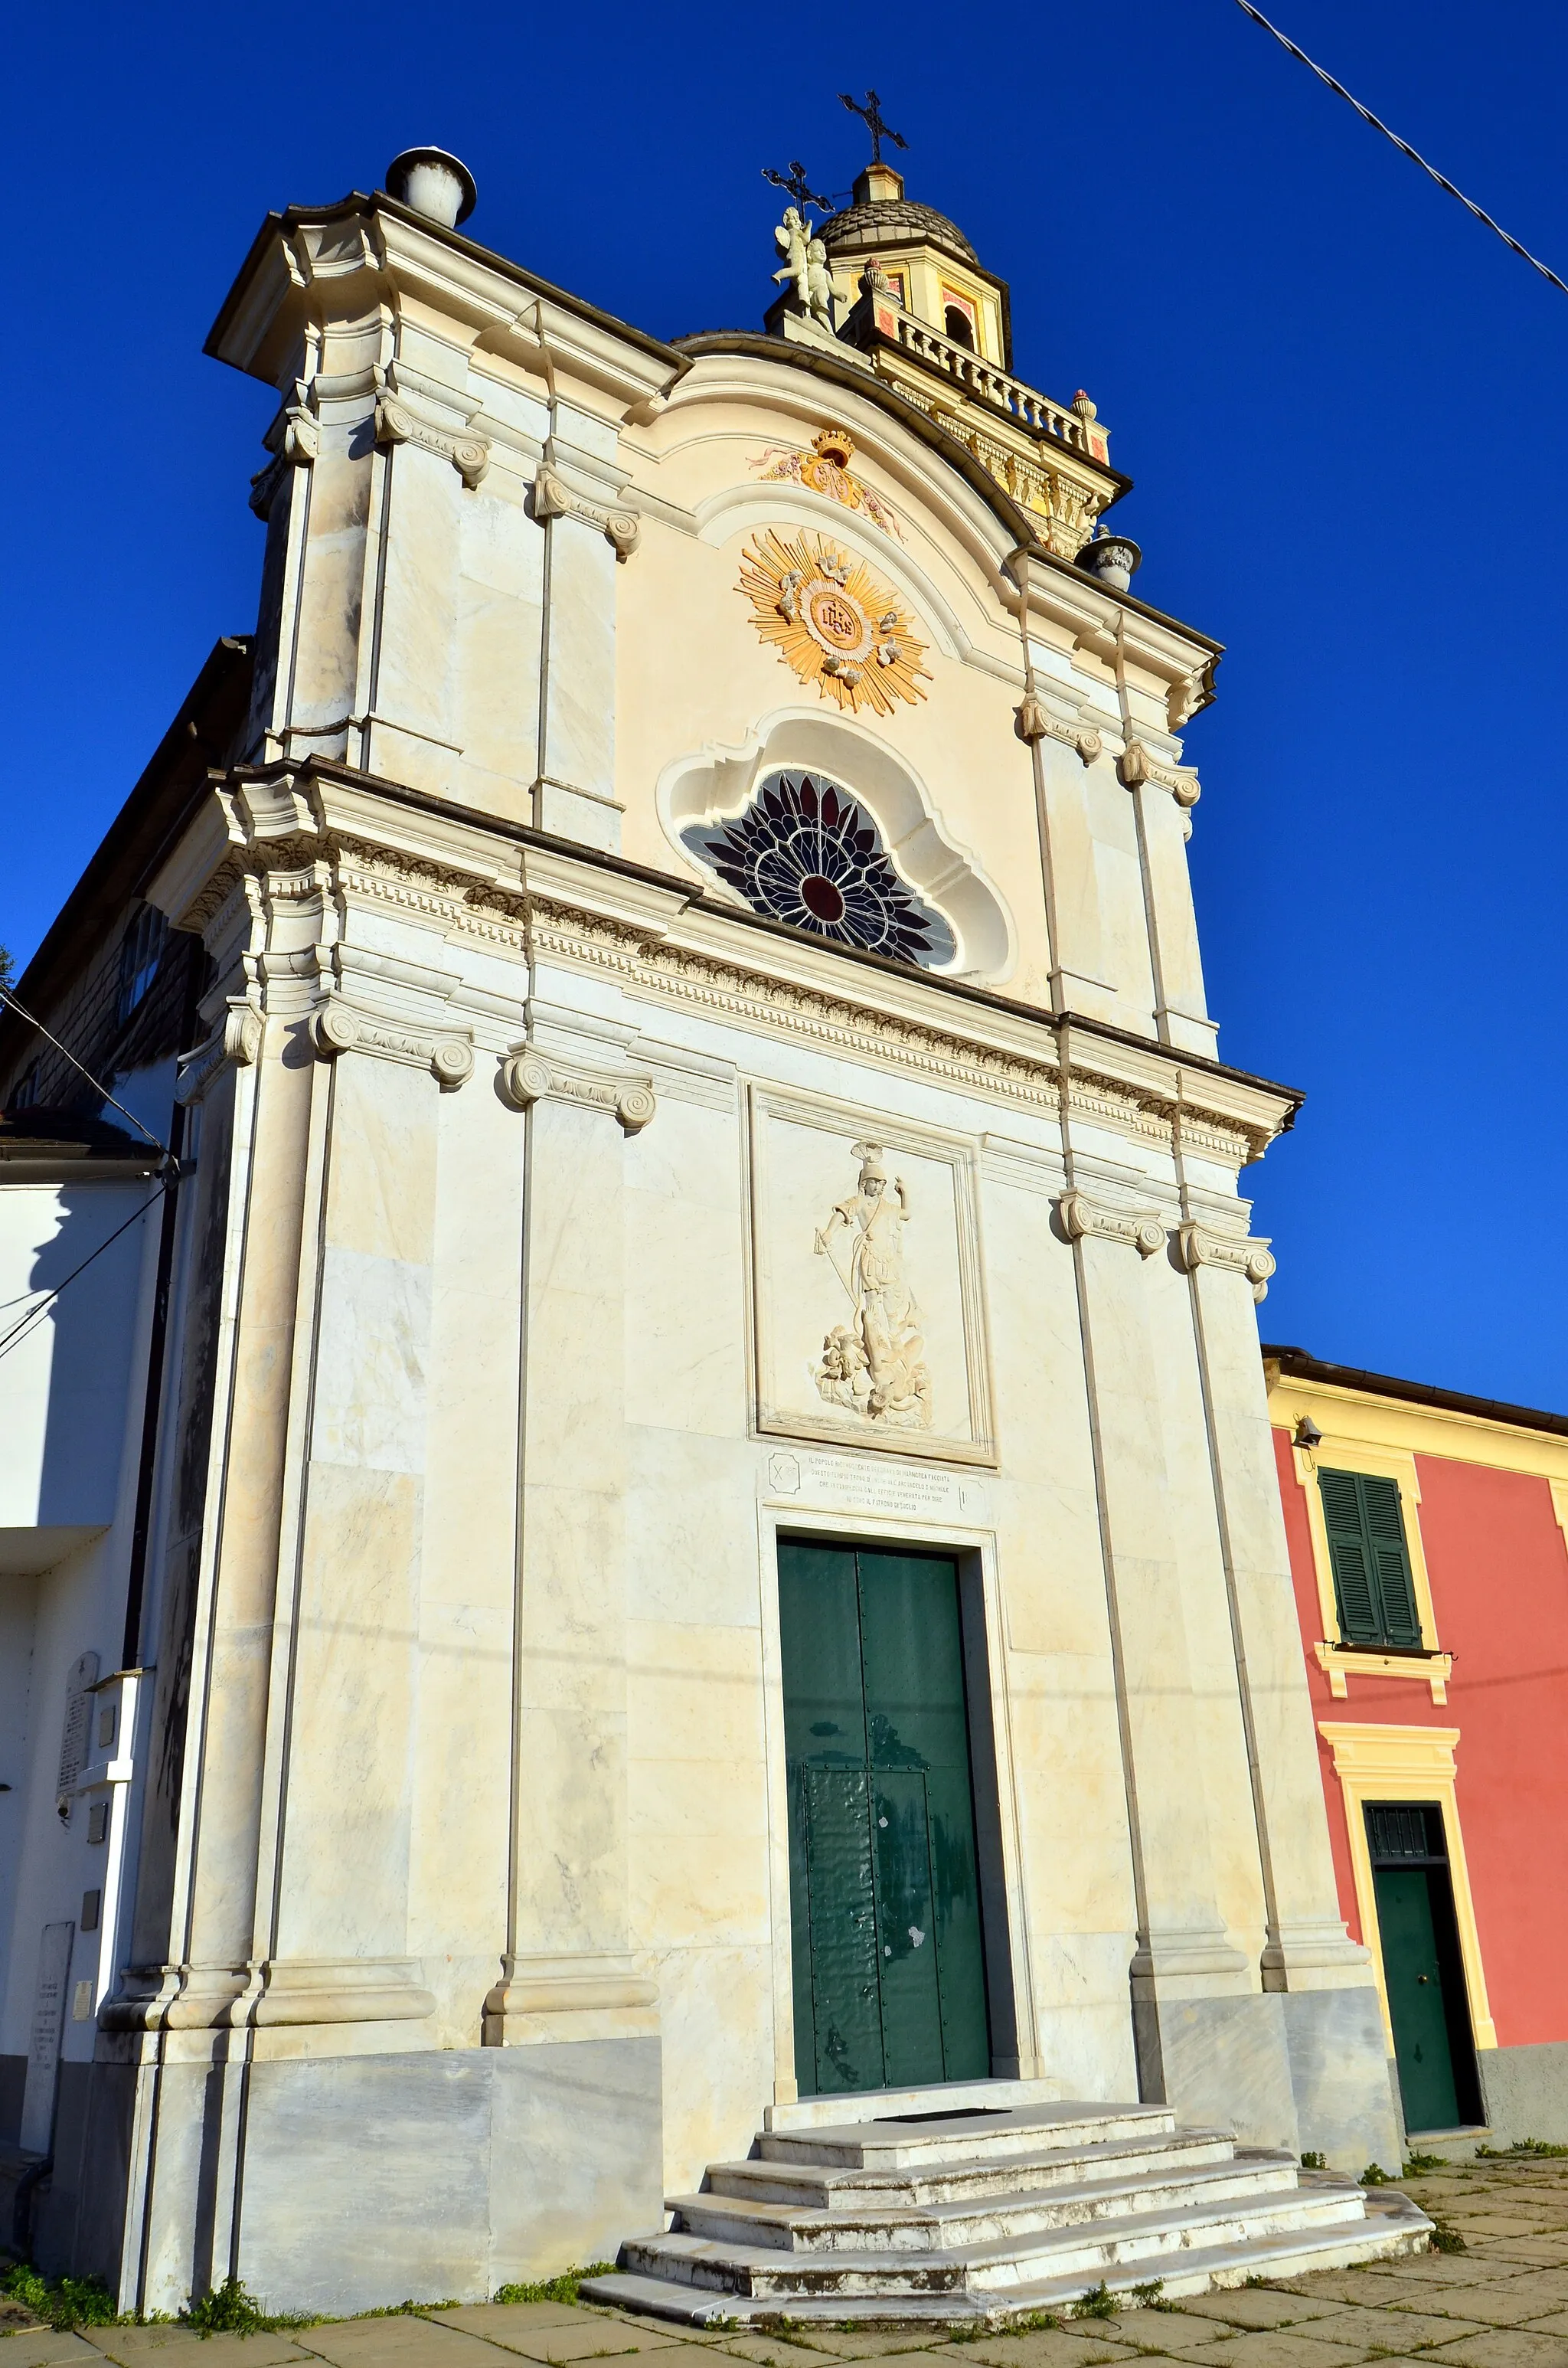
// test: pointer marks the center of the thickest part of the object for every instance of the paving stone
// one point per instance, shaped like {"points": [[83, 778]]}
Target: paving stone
{"points": [[1178, 2331], [140, 2347], [768, 2350], [1277, 2348], [404, 2342], [1260, 2307], [1043, 2349], [1371, 2286], [1498, 2305], [849, 2342], [1504, 2347], [588, 2335], [39, 2347], [1542, 2252], [499, 2321], [1399, 2327]]}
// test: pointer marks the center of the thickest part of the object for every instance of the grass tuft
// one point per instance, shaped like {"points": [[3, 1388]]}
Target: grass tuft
{"points": [[1375, 2176], [1446, 2239], [1098, 2302], [1311, 2161], [1419, 2163], [1147, 2295], [1536, 2148], [61, 2303], [560, 2288]]}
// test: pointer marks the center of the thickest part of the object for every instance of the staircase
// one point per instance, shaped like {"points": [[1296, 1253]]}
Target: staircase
{"points": [[951, 2210]]}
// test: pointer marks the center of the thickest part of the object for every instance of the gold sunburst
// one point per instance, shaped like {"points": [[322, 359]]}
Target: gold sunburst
{"points": [[831, 620]]}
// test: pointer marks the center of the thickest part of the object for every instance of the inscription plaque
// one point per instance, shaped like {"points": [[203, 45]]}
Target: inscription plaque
{"points": [[855, 1484]]}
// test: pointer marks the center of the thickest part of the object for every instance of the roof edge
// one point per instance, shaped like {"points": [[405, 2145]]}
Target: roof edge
{"points": [[1298, 1366]]}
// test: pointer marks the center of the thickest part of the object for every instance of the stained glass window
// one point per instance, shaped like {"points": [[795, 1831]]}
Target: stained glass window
{"points": [[805, 851]]}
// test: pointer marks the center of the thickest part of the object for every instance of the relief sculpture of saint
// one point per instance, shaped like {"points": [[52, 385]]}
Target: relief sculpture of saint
{"points": [[873, 1364]]}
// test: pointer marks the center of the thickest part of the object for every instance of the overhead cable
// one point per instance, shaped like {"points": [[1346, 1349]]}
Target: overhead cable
{"points": [[25, 1322], [97, 1084], [1403, 145]]}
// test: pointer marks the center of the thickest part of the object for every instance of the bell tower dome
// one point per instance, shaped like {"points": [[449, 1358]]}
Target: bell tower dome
{"points": [[930, 266]]}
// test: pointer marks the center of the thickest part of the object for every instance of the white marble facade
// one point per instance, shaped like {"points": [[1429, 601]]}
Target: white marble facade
{"points": [[460, 1922]]}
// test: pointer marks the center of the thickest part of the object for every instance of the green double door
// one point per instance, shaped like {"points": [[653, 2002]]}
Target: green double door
{"points": [[889, 1966], [1422, 1971]]}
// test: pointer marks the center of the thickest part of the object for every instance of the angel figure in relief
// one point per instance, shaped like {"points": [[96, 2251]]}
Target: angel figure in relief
{"points": [[874, 1365]]}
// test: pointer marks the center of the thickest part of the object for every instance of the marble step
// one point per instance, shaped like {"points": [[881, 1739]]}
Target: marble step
{"points": [[813, 2187], [1088, 2252], [750, 2220], [907, 2144], [1391, 2226]]}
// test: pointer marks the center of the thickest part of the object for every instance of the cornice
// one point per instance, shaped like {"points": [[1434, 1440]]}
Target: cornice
{"points": [[278, 833], [363, 248]]}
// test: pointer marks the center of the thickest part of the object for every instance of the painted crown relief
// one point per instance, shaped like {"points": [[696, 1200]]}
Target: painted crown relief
{"points": [[831, 620], [873, 1364], [825, 469]]}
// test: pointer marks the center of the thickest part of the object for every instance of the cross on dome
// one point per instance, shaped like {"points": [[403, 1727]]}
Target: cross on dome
{"points": [[871, 115]]}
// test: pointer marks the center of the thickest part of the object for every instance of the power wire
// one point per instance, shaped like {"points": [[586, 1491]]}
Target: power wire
{"points": [[19, 1330], [97, 1084], [1403, 145]]}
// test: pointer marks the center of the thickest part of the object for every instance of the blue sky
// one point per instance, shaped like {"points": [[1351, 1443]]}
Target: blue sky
{"points": [[1343, 402]]}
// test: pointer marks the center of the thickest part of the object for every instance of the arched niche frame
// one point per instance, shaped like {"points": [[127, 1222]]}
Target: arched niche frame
{"points": [[716, 784]]}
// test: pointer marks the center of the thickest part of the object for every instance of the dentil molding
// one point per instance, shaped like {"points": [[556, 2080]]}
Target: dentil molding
{"points": [[336, 1027], [1138, 763], [237, 1043], [553, 498], [396, 424], [529, 1076], [1233, 1254], [1138, 1228]]}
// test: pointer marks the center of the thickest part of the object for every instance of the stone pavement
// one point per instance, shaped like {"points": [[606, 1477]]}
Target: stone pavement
{"points": [[1503, 2303]]}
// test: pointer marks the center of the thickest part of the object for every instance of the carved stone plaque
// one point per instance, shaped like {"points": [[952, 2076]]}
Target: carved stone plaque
{"points": [[817, 1477], [870, 1327]]}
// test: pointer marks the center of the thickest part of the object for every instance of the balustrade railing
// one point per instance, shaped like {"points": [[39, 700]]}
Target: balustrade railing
{"points": [[988, 384]]}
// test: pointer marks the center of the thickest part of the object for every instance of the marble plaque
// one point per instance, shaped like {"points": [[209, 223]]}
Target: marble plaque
{"points": [[864, 1484], [869, 1322], [43, 2039]]}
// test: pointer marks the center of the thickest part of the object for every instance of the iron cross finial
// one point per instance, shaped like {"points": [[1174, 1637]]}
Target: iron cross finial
{"points": [[794, 180], [872, 114]]}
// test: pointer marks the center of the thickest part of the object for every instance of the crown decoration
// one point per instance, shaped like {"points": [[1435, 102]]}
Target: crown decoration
{"points": [[825, 469], [832, 621]]}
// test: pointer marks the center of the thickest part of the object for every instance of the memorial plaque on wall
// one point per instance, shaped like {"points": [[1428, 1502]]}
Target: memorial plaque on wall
{"points": [[78, 1725], [43, 2038]]}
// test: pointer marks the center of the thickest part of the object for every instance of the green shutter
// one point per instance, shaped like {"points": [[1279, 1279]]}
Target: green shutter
{"points": [[1372, 1583], [1348, 1557], [1390, 1561]]}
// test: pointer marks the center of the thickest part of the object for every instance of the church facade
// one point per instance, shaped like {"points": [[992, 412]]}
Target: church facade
{"points": [[676, 1513]]}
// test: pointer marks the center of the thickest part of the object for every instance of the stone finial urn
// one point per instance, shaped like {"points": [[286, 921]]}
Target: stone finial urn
{"points": [[1114, 558], [432, 183]]}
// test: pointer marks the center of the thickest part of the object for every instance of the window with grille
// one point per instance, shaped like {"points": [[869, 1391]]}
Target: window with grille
{"points": [[1399, 1833], [1373, 1589]]}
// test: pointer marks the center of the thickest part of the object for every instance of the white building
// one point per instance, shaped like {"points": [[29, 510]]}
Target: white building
{"points": [[706, 1211]]}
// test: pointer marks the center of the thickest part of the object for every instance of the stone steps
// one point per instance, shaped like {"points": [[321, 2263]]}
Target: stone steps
{"points": [[1394, 2226], [853, 2221], [984, 2214], [910, 2143], [812, 2187], [1083, 2252]]}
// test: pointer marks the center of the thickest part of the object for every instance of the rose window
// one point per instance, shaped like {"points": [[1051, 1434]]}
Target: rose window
{"points": [[807, 853]]}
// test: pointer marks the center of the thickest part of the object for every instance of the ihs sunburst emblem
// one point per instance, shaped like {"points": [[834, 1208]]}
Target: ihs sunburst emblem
{"points": [[833, 621]]}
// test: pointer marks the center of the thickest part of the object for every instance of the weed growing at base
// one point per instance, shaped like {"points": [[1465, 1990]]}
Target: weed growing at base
{"points": [[560, 2288], [61, 2303]]}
